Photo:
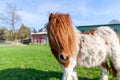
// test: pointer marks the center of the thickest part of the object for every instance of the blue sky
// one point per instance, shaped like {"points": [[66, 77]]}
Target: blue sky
{"points": [[35, 13]]}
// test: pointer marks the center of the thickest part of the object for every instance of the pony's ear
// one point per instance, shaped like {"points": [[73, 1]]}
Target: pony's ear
{"points": [[68, 15], [51, 14]]}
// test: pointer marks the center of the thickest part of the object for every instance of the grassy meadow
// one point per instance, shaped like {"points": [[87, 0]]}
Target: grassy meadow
{"points": [[35, 62]]}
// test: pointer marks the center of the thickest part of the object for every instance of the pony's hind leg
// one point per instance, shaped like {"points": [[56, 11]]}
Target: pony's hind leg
{"points": [[104, 68], [118, 76], [115, 60], [69, 71], [115, 66]]}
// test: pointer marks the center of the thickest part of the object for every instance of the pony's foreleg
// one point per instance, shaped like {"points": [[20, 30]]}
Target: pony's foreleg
{"points": [[69, 75], [69, 71]]}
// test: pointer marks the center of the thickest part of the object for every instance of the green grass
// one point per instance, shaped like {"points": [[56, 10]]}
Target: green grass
{"points": [[35, 62]]}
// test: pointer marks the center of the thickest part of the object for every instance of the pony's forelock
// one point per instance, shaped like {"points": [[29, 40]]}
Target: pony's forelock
{"points": [[60, 33]]}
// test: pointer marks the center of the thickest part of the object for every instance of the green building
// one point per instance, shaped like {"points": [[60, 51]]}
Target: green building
{"points": [[115, 27]]}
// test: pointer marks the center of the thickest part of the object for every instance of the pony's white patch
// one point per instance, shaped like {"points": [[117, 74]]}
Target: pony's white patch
{"points": [[69, 72], [92, 51]]}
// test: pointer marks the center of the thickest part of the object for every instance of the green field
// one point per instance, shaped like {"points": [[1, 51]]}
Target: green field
{"points": [[35, 62]]}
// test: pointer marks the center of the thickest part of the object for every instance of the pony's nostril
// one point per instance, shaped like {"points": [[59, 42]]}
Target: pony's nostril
{"points": [[64, 58], [61, 57]]}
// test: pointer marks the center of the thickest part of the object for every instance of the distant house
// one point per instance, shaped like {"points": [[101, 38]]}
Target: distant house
{"points": [[39, 38], [115, 27]]}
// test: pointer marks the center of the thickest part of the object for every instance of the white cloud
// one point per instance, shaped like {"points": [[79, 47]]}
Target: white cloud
{"points": [[39, 17], [82, 12], [33, 20], [48, 7]]}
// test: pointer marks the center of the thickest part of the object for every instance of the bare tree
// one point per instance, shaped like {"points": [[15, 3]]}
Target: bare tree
{"points": [[10, 17]]}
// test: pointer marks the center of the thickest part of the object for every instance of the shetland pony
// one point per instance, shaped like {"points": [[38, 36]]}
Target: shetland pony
{"points": [[72, 48]]}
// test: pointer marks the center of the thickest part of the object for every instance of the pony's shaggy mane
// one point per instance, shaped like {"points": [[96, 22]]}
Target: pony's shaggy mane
{"points": [[60, 33]]}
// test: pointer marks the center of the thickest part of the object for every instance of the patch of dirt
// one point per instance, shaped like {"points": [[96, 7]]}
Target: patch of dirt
{"points": [[12, 43]]}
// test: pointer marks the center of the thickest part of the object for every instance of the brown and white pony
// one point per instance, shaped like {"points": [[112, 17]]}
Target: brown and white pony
{"points": [[72, 48]]}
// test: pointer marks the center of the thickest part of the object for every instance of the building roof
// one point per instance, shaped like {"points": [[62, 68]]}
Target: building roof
{"points": [[115, 27], [39, 33], [97, 25]]}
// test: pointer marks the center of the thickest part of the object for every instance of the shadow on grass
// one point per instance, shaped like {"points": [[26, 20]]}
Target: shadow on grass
{"points": [[31, 74]]}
